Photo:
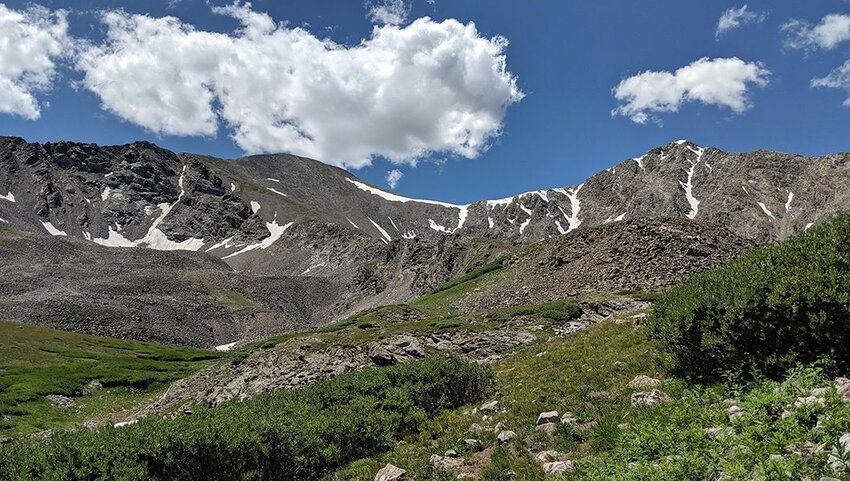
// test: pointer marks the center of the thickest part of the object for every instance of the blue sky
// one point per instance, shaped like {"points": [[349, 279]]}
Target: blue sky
{"points": [[565, 57]]}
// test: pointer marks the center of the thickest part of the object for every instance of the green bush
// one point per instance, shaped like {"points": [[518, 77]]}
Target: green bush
{"points": [[286, 435], [773, 308]]}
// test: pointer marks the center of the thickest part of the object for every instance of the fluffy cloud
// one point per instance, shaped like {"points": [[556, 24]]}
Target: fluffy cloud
{"points": [[31, 41], [401, 94], [388, 12], [393, 177], [837, 79], [722, 82], [733, 18], [832, 30]]}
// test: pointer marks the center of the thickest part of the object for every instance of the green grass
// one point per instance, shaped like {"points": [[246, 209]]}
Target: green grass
{"points": [[232, 299], [300, 434], [474, 274], [35, 362], [587, 374]]}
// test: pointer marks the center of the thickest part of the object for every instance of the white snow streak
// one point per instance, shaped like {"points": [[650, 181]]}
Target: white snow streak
{"points": [[273, 180], [766, 211], [381, 230], [10, 197], [639, 161], [788, 202], [575, 207], [620, 217], [393, 223], [689, 185], [463, 209], [52, 230], [352, 223], [277, 192], [560, 227], [275, 230], [4, 220], [437, 227], [524, 225], [226, 243], [409, 235], [809, 225]]}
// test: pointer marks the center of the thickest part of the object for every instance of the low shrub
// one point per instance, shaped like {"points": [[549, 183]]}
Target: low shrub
{"points": [[773, 308], [286, 435]]}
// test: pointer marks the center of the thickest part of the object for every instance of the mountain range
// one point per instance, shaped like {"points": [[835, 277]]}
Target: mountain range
{"points": [[241, 248]]}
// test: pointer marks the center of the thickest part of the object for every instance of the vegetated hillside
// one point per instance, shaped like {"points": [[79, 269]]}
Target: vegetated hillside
{"points": [[287, 435], [767, 311], [54, 379]]}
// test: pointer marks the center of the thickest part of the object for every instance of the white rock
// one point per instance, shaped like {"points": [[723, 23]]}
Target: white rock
{"points": [[547, 456], [505, 437], [444, 462], [642, 382], [652, 398], [558, 467], [391, 473], [569, 419], [491, 407], [548, 417]]}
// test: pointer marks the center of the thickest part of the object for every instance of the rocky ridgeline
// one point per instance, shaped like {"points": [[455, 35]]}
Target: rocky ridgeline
{"points": [[638, 255], [302, 361]]}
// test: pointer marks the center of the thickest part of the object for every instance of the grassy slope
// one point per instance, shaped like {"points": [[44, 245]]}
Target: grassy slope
{"points": [[36, 361]]}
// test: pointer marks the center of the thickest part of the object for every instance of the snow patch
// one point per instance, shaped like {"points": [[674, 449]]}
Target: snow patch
{"points": [[409, 235], [639, 161], [4, 220], [463, 209], [620, 217], [525, 209], [275, 232], [352, 223], [226, 243], [52, 230], [437, 227], [524, 225], [10, 197], [788, 202], [809, 225], [560, 227], [232, 187], [393, 223], [490, 222], [575, 207], [124, 424], [226, 347], [277, 192], [688, 186], [766, 211], [273, 180], [384, 233], [255, 206], [155, 238]]}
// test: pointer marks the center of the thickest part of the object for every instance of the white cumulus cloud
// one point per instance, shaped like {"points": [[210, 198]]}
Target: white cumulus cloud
{"points": [[733, 18], [722, 82], [388, 12], [402, 93], [838, 79], [832, 30], [31, 42], [393, 177]]}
